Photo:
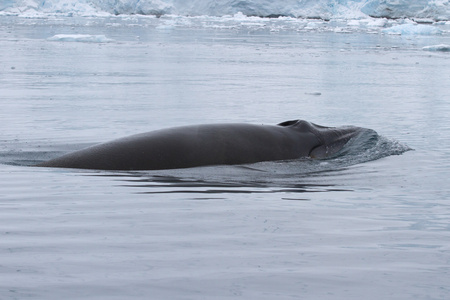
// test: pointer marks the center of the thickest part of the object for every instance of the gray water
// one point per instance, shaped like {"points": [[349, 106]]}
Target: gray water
{"points": [[371, 225]]}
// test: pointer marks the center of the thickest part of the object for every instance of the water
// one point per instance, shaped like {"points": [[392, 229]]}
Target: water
{"points": [[338, 229]]}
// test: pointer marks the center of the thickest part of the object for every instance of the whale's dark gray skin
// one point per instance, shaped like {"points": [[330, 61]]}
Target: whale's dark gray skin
{"points": [[211, 144]]}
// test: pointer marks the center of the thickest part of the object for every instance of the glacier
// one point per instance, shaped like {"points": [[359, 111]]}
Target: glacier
{"points": [[434, 10]]}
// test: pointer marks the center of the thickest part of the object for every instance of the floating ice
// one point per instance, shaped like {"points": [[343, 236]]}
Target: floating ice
{"points": [[371, 22], [413, 29], [440, 48], [86, 38]]}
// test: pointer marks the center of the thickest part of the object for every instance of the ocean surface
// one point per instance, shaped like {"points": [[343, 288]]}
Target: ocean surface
{"points": [[373, 224]]}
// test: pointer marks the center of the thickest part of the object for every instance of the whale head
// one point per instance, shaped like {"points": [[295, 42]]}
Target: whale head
{"points": [[331, 140]]}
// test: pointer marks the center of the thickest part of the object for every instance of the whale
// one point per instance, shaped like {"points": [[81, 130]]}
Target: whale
{"points": [[211, 144]]}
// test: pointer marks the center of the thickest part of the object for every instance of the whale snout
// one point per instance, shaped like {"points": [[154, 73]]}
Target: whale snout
{"points": [[333, 140]]}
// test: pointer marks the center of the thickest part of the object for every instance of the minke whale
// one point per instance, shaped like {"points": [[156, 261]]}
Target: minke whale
{"points": [[211, 144]]}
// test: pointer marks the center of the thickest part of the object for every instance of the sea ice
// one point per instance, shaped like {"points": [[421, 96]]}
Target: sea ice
{"points": [[440, 48], [87, 38], [413, 29]]}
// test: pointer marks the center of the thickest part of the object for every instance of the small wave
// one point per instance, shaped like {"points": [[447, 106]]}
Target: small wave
{"points": [[369, 146], [19, 153]]}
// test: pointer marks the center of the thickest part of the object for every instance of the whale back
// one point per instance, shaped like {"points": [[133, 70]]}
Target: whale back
{"points": [[191, 146], [210, 144]]}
